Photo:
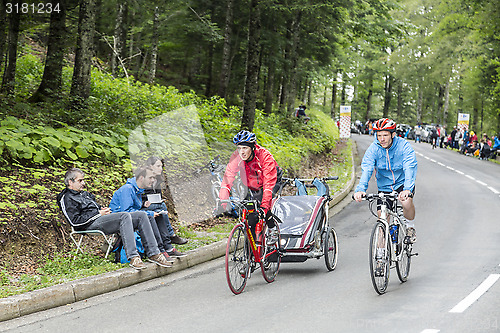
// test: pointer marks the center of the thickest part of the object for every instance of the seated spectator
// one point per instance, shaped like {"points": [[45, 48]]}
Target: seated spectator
{"points": [[496, 142], [487, 139], [159, 206], [84, 213], [472, 137], [301, 112], [471, 149], [484, 149], [128, 198], [495, 147]]}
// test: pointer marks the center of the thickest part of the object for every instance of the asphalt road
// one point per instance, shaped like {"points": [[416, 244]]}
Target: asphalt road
{"points": [[452, 286]]}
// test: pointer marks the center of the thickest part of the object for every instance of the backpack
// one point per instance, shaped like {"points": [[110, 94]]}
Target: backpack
{"points": [[119, 251]]}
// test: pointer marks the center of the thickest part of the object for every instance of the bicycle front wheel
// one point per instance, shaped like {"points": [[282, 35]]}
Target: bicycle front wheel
{"points": [[330, 249], [380, 263], [271, 258], [403, 264], [237, 259]]}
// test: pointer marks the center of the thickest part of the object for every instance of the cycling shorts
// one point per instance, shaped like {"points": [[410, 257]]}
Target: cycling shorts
{"points": [[390, 201]]}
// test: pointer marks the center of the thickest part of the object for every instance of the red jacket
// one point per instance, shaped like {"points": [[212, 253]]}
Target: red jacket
{"points": [[258, 173]]}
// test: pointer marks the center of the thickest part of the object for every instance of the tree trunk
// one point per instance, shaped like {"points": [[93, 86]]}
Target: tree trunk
{"points": [[309, 89], [285, 84], [400, 100], [226, 51], [252, 68], [294, 63], [118, 37], [325, 93], [271, 74], [51, 84], [334, 95], [440, 103], [80, 85], [446, 101], [419, 104], [475, 117], [387, 95], [369, 97], [210, 62], [3, 32], [9, 77], [154, 45]]}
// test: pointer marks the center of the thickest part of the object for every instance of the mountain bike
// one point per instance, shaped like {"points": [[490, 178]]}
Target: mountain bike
{"points": [[244, 252], [389, 244]]}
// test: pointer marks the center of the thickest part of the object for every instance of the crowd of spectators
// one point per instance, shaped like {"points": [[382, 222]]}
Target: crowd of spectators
{"points": [[465, 141]]}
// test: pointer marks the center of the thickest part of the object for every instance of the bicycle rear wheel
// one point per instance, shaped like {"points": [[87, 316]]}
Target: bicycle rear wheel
{"points": [[380, 263], [271, 258], [403, 265], [237, 259], [330, 249]]}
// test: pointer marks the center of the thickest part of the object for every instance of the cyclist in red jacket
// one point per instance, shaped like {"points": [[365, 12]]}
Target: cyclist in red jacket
{"points": [[258, 171]]}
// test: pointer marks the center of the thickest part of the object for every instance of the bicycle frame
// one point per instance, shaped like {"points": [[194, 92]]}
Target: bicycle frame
{"points": [[397, 245], [255, 245], [385, 215], [239, 260]]}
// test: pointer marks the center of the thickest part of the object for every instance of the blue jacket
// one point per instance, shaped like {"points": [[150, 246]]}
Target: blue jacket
{"points": [[496, 145], [394, 166], [128, 198]]}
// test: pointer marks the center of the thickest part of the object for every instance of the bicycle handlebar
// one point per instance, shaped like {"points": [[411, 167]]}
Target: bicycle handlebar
{"points": [[381, 195]]}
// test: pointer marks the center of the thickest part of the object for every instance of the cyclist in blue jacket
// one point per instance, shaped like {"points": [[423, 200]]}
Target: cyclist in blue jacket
{"points": [[394, 161]]}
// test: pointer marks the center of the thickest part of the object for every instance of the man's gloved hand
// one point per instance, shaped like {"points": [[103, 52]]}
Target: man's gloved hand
{"points": [[263, 213], [267, 216]]}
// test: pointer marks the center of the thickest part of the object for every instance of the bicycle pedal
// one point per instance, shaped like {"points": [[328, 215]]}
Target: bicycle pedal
{"points": [[413, 254]]}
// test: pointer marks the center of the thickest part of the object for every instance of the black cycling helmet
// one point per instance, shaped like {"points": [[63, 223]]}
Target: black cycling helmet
{"points": [[245, 137], [385, 124]]}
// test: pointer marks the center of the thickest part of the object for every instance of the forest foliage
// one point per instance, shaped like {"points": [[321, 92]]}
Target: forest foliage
{"points": [[412, 60], [75, 82]]}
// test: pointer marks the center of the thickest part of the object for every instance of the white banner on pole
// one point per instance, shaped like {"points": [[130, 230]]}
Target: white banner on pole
{"points": [[345, 121], [463, 121]]}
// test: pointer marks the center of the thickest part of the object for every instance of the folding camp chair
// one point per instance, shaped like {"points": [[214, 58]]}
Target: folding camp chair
{"points": [[109, 239]]}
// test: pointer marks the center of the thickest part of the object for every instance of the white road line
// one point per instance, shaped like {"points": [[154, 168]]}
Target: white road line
{"points": [[494, 191], [441, 164], [427, 158], [433, 160], [480, 182], [459, 172], [449, 167], [474, 296], [430, 331], [470, 177]]}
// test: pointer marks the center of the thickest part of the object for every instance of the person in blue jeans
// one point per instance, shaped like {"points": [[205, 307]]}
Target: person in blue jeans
{"points": [[128, 198], [158, 205], [84, 213]]}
